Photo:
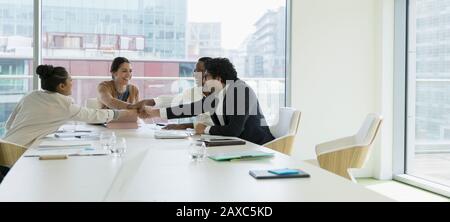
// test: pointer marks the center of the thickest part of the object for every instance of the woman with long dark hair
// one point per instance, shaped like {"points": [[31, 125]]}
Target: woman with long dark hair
{"points": [[119, 93], [42, 112]]}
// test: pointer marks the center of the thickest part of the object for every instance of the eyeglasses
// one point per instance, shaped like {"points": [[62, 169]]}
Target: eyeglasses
{"points": [[206, 75]]}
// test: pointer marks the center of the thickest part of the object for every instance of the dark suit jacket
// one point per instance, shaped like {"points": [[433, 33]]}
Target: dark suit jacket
{"points": [[242, 114], [3, 172]]}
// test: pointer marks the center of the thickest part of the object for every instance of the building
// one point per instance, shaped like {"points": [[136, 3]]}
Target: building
{"points": [[244, 58], [432, 46], [92, 33], [205, 39], [148, 29], [264, 51]]}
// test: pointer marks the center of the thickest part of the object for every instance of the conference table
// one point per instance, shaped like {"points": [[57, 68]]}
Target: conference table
{"points": [[161, 170]]}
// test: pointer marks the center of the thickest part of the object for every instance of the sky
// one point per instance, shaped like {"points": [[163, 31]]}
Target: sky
{"points": [[237, 16]]}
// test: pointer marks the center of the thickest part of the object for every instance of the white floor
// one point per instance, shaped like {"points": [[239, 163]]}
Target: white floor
{"points": [[400, 191], [433, 167]]}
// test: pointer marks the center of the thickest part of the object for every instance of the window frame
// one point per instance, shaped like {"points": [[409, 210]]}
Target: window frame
{"points": [[404, 89], [38, 50]]}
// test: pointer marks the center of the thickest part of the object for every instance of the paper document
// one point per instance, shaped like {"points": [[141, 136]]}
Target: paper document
{"points": [[61, 144], [80, 151], [64, 135], [172, 134]]}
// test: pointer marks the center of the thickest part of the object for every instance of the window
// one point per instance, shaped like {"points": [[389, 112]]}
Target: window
{"points": [[254, 33], [428, 96], [162, 39], [16, 53]]}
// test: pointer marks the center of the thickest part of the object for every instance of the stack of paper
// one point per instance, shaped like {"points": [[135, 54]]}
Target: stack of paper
{"points": [[63, 144]]}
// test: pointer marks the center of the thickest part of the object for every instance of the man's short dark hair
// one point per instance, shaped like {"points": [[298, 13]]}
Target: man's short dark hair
{"points": [[221, 67], [204, 59]]}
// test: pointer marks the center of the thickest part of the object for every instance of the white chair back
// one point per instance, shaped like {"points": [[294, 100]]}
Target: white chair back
{"points": [[368, 131], [288, 122]]}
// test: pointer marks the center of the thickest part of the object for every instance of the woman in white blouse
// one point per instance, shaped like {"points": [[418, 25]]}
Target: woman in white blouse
{"points": [[42, 112]]}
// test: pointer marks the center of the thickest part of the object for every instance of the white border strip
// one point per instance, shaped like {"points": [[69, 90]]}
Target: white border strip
{"points": [[424, 184]]}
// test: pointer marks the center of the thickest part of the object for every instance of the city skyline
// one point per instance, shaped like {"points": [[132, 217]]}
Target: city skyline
{"points": [[242, 22], [429, 49], [155, 36], [150, 36]]}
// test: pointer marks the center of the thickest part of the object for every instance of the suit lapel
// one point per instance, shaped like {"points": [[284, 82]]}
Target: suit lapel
{"points": [[214, 117], [225, 121]]}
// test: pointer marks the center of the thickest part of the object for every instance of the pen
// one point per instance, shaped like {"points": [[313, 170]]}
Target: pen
{"points": [[76, 131], [31, 156], [95, 154], [60, 157], [53, 157], [245, 158]]}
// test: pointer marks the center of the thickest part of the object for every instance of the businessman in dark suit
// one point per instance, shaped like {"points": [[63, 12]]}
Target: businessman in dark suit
{"points": [[233, 106]]}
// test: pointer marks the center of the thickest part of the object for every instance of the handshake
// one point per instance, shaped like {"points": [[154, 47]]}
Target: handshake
{"points": [[145, 109]]}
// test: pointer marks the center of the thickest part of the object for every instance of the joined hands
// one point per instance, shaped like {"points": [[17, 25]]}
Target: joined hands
{"points": [[145, 109]]}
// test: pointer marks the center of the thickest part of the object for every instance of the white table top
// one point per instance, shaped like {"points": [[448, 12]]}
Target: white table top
{"points": [[161, 170]]}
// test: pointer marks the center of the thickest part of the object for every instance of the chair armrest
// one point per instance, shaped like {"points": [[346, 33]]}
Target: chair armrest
{"points": [[336, 145], [314, 162], [283, 144], [278, 139]]}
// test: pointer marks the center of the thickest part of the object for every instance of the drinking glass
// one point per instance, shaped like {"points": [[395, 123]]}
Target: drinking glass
{"points": [[107, 140], [120, 147], [197, 151]]}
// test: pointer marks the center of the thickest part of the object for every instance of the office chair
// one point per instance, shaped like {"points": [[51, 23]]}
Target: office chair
{"points": [[285, 130], [341, 155], [9, 154]]}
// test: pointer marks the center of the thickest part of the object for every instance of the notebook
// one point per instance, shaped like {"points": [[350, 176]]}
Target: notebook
{"points": [[128, 123], [240, 155], [273, 174], [222, 142], [122, 125]]}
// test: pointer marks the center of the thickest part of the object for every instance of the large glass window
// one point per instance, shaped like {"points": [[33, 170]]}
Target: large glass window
{"points": [[162, 38], [428, 137], [16, 53]]}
